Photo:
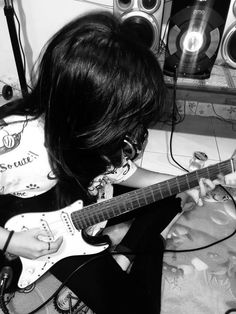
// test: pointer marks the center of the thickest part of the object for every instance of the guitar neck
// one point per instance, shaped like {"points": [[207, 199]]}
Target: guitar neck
{"points": [[130, 201]]}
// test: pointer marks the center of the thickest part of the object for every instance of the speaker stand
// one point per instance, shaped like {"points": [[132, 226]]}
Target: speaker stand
{"points": [[9, 13]]}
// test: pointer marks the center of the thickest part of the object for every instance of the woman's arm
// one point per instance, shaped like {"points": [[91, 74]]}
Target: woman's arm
{"points": [[143, 177]]}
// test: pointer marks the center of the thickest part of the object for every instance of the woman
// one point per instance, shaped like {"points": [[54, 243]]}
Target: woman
{"points": [[96, 88]]}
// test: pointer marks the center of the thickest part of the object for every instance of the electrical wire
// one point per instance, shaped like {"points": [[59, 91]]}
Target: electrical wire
{"points": [[97, 256], [213, 243], [171, 153], [175, 113], [6, 276], [19, 40], [64, 283], [162, 44], [230, 311], [96, 3], [233, 123], [19, 36]]}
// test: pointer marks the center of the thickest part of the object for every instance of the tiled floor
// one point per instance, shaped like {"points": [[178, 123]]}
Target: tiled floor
{"points": [[214, 137]]}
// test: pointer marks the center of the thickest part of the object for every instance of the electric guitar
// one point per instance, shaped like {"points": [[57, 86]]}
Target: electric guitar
{"points": [[72, 220]]}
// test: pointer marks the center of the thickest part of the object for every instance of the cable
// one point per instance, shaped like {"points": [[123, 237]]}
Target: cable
{"points": [[174, 111], [18, 33], [211, 244], [64, 283], [100, 4], [232, 122], [6, 276], [19, 39], [230, 311], [162, 46], [171, 153]]}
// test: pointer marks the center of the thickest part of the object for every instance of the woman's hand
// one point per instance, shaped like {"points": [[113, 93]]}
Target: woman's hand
{"points": [[28, 244], [195, 196], [230, 180]]}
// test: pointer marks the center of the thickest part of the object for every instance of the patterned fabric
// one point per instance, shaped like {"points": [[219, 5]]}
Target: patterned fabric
{"points": [[24, 164], [201, 281], [102, 184]]}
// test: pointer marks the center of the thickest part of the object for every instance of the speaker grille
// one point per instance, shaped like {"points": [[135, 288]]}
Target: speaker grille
{"points": [[193, 41], [228, 46], [144, 17], [142, 28]]}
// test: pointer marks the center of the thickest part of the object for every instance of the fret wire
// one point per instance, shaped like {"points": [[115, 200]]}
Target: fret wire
{"points": [[193, 179], [197, 176], [81, 222], [187, 181], [168, 185], [150, 193], [149, 197], [138, 199], [177, 182], [78, 223], [146, 195], [159, 187], [91, 219], [233, 164], [95, 219], [141, 195], [164, 186], [100, 215], [208, 173], [113, 211], [173, 186]]}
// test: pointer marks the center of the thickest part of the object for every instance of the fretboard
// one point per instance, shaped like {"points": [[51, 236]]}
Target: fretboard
{"points": [[130, 201]]}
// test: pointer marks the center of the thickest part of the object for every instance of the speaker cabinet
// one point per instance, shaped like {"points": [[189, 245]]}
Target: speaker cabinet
{"points": [[144, 16], [227, 51], [194, 35]]}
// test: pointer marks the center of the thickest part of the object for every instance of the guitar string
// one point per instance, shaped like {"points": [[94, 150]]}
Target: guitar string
{"points": [[87, 215], [98, 212]]}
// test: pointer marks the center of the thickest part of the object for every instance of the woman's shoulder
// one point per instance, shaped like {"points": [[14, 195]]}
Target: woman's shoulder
{"points": [[14, 122], [17, 131], [13, 119]]}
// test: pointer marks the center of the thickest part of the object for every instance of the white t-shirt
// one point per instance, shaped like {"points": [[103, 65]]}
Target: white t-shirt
{"points": [[25, 170]]}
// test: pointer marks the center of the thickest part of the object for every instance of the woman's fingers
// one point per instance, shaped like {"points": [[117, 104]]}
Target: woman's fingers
{"points": [[205, 186], [52, 246]]}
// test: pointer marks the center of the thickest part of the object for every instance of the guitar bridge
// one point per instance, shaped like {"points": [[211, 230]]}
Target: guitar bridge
{"points": [[46, 228]]}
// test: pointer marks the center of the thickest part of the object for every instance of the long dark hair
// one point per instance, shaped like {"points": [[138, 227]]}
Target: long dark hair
{"points": [[95, 83]]}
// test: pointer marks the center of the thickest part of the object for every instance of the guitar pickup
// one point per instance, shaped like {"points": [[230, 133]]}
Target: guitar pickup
{"points": [[67, 222]]}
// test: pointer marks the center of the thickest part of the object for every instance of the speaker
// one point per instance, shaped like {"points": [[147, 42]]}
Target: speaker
{"points": [[227, 50], [144, 16], [194, 34]]}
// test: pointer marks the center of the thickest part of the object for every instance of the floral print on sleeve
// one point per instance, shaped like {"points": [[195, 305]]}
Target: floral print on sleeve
{"points": [[101, 186]]}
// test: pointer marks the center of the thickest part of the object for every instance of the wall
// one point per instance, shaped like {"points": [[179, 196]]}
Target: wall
{"points": [[39, 20]]}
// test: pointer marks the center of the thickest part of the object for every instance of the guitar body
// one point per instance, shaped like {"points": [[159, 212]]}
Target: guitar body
{"points": [[55, 223], [72, 220]]}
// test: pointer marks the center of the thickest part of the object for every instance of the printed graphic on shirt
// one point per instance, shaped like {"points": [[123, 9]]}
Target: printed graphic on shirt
{"points": [[8, 142], [101, 186], [18, 163], [25, 171]]}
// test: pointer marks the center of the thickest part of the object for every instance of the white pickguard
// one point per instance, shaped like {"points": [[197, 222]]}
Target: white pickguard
{"points": [[56, 223]]}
